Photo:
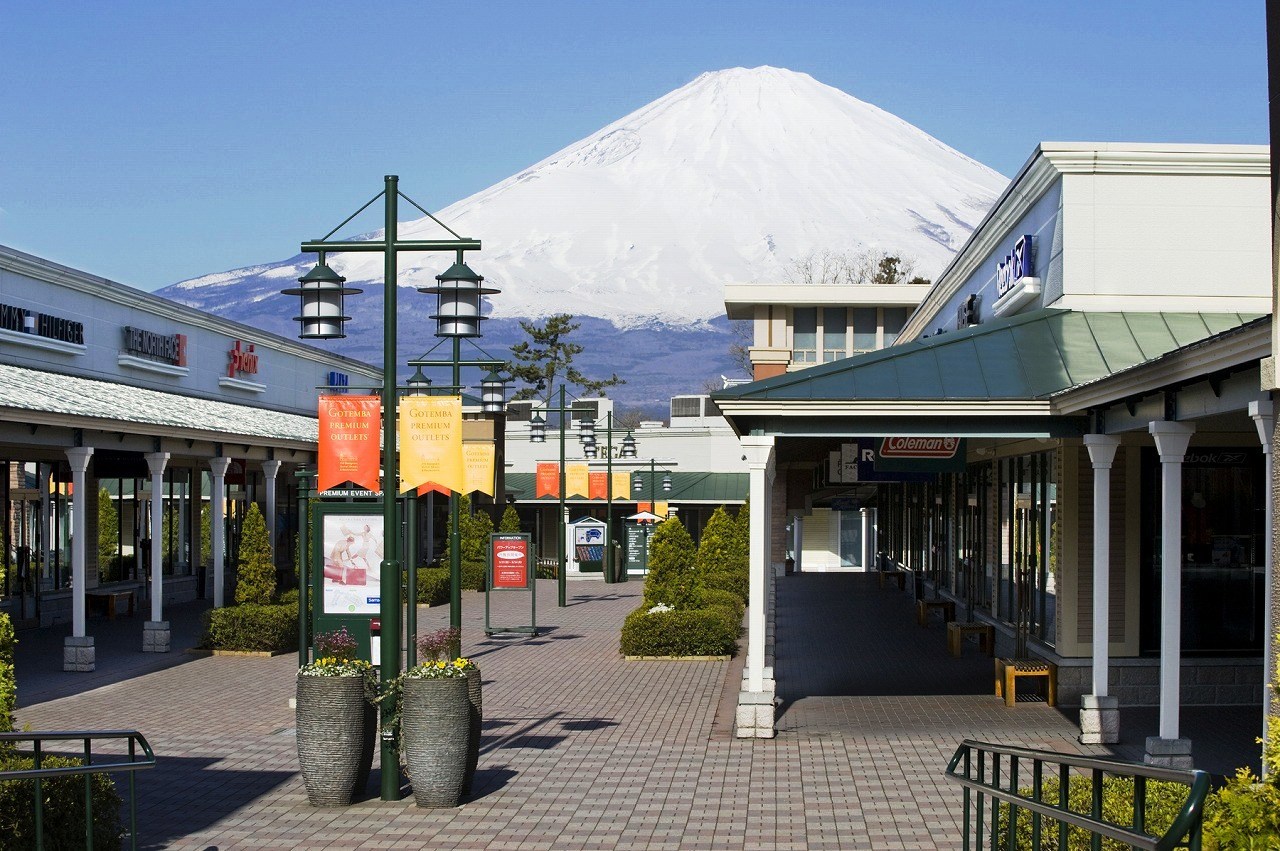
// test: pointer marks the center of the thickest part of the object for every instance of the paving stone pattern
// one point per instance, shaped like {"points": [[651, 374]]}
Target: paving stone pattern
{"points": [[581, 749]]}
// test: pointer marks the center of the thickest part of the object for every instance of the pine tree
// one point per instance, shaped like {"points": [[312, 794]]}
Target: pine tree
{"points": [[547, 358], [510, 520], [108, 533], [256, 582], [476, 530], [672, 579], [206, 535]]}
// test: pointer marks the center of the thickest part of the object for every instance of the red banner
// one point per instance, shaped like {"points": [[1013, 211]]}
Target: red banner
{"points": [[599, 486], [510, 559], [548, 479], [349, 449], [430, 487]]}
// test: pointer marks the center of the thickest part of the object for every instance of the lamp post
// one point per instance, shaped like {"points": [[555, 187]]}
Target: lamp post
{"points": [[628, 451], [322, 293], [538, 434]]}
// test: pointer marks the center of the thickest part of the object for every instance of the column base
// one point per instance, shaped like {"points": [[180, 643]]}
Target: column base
{"points": [[1099, 720], [155, 637], [755, 716], [1168, 753], [78, 654]]}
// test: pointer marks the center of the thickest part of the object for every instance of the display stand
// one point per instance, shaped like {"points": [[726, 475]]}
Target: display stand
{"points": [[511, 569]]}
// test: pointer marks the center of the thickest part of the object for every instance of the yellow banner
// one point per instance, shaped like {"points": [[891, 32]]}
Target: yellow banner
{"points": [[477, 462], [621, 485], [430, 431], [576, 480], [661, 509]]}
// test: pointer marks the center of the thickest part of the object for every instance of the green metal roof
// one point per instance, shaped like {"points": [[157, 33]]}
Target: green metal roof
{"points": [[1028, 356], [717, 488]]}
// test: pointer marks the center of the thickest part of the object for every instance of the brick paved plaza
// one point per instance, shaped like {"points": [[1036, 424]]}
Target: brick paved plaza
{"points": [[582, 749]]}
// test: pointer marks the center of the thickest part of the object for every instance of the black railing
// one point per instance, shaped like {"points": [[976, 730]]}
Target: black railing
{"points": [[123, 757], [993, 773]]}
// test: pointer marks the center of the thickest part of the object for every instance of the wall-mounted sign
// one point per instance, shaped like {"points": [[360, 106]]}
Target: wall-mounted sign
{"points": [[338, 381], [169, 348], [41, 324], [919, 447], [1016, 281], [243, 361]]}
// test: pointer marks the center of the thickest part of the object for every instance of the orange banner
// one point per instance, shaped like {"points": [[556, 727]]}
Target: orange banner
{"points": [[432, 487], [477, 465], [349, 449], [598, 484], [431, 442], [575, 480], [548, 479]]}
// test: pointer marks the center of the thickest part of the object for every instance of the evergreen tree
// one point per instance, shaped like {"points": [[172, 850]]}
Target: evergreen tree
{"points": [[206, 535], [547, 358], [476, 529], [108, 533], [718, 547], [672, 579], [743, 539], [256, 581], [510, 520]]}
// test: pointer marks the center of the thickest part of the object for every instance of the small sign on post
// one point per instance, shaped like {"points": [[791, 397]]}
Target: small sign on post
{"points": [[511, 569]]}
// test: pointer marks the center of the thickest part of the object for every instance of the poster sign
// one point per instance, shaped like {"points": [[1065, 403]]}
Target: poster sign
{"points": [[548, 479], [509, 560], [431, 442], [352, 550], [599, 485], [349, 449]]}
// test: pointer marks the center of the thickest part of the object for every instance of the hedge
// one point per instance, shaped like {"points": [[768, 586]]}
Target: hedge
{"points": [[433, 586], [735, 582], [714, 597], [252, 627], [691, 632], [1164, 800], [63, 807]]}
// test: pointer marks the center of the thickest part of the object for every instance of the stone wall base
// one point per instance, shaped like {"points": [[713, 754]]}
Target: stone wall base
{"points": [[1168, 753], [1099, 720], [155, 637], [78, 654]]}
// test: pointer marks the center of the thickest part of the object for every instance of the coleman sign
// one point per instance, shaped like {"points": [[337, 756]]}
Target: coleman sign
{"points": [[919, 454]]}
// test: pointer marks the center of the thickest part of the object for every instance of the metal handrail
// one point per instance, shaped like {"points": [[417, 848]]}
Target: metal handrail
{"points": [[92, 764], [1185, 831]]}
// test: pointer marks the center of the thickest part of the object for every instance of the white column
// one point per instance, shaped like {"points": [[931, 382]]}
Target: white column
{"points": [[217, 524], [1263, 414], [79, 460], [866, 539], [797, 541], [156, 462], [1102, 452], [269, 471], [760, 463], [1171, 442]]}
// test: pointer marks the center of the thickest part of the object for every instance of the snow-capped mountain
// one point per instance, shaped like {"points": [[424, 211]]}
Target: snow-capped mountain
{"points": [[637, 228]]}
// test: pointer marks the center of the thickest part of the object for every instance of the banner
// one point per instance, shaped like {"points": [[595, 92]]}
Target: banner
{"points": [[431, 487], [477, 463], [431, 442], [547, 480], [575, 480], [598, 484], [349, 449], [662, 509], [621, 485]]}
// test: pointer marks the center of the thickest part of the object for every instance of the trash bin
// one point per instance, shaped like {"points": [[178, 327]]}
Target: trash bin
{"points": [[791, 565]]}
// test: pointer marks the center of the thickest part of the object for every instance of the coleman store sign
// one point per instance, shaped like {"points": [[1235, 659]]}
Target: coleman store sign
{"points": [[920, 454]]}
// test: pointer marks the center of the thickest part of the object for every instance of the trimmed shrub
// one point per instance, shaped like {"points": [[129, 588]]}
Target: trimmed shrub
{"points": [[256, 580], [718, 548], [694, 632], [736, 582], [716, 598], [8, 678], [108, 529], [63, 807], [473, 575], [510, 520], [433, 585], [252, 627], [672, 579], [288, 597], [1164, 800]]}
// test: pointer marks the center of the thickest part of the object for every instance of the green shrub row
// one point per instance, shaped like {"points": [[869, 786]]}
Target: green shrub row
{"points": [[716, 598], [63, 807], [252, 627], [1164, 800], [735, 582], [711, 631], [433, 582]]}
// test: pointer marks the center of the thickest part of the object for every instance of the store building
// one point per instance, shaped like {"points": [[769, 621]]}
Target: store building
{"points": [[1076, 402], [129, 425]]}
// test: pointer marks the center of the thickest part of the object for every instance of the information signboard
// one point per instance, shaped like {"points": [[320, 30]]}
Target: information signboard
{"points": [[510, 560]]}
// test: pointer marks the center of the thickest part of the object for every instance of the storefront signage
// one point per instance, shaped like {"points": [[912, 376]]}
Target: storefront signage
{"points": [[243, 361], [338, 381], [41, 324], [919, 447], [509, 557], [1014, 267], [169, 348]]}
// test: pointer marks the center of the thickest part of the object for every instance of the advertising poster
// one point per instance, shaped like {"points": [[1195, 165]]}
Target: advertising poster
{"points": [[352, 557], [510, 558]]}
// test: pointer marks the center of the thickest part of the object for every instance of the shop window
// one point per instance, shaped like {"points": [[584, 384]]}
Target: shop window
{"points": [[804, 335], [894, 319], [835, 329], [865, 327]]}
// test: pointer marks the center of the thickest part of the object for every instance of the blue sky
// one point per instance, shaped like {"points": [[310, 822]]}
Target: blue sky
{"points": [[153, 142]]}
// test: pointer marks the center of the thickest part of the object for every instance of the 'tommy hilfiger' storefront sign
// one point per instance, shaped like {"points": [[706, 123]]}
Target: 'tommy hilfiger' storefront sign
{"points": [[1016, 281], [170, 348], [41, 324], [242, 360]]}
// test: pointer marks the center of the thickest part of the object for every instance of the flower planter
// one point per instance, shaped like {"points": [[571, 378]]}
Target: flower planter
{"points": [[334, 742], [434, 729], [475, 718]]}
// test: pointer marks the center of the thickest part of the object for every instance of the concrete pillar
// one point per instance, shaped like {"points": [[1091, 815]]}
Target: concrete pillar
{"points": [[155, 632], [78, 650], [218, 525], [269, 471], [866, 538], [755, 714], [797, 541], [1099, 712], [1263, 414], [1168, 749]]}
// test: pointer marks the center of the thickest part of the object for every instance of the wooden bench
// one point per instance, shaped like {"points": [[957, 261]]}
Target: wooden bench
{"points": [[900, 575], [956, 632], [113, 600], [1009, 671], [923, 607]]}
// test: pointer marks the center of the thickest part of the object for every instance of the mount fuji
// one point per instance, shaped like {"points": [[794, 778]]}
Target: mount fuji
{"points": [[636, 229]]}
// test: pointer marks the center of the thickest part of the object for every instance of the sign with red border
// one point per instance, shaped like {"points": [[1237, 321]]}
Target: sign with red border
{"points": [[509, 560]]}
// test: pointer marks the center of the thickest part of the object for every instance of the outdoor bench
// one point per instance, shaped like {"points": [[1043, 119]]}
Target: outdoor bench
{"points": [[1009, 671]]}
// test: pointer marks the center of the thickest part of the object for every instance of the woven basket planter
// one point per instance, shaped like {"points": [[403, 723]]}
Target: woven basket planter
{"points": [[334, 742], [475, 719], [434, 731]]}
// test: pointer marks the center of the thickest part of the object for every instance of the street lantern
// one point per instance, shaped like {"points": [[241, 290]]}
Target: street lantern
{"points": [[637, 482], [418, 384], [589, 449], [458, 294], [628, 446], [322, 293], [586, 427], [493, 391], [666, 483], [537, 429]]}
